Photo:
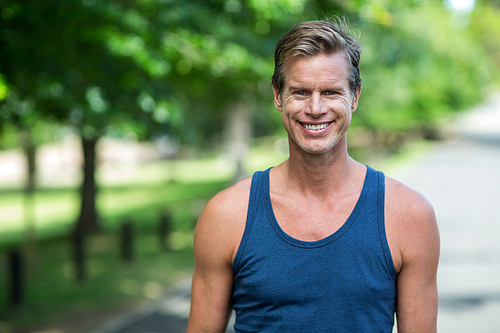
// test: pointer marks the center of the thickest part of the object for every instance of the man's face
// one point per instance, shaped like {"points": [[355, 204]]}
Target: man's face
{"points": [[316, 103]]}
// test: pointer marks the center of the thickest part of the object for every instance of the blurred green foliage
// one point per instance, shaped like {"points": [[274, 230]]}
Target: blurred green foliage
{"points": [[176, 67], [418, 67]]}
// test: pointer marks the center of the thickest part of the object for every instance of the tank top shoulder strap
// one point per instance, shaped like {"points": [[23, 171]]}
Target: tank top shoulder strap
{"points": [[258, 188]]}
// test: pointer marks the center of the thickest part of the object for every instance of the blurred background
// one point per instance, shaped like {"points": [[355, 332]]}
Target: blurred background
{"points": [[120, 119]]}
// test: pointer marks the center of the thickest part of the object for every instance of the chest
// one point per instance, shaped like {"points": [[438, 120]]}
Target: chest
{"points": [[310, 219], [288, 282]]}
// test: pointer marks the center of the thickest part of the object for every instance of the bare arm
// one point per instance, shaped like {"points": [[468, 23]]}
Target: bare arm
{"points": [[415, 247], [216, 239]]}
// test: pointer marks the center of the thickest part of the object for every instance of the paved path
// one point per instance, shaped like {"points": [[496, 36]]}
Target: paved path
{"points": [[462, 180], [461, 177]]}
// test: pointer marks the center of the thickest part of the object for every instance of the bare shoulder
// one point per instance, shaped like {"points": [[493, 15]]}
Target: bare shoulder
{"points": [[413, 237], [216, 239], [228, 205], [411, 224], [404, 201], [222, 221]]}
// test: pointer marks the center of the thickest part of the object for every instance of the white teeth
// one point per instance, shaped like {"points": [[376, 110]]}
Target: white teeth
{"points": [[316, 127]]}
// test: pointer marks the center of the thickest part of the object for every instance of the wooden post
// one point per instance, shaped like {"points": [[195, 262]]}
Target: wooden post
{"points": [[16, 277], [127, 241]]}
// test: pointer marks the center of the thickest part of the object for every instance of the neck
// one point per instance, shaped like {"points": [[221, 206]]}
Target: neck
{"points": [[320, 174]]}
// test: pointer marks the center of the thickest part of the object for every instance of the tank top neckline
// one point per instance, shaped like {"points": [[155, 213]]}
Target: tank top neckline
{"points": [[321, 242]]}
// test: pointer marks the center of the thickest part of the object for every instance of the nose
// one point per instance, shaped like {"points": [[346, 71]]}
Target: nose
{"points": [[316, 106]]}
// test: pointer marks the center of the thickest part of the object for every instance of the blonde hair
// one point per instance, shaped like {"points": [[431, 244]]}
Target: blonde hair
{"points": [[318, 37]]}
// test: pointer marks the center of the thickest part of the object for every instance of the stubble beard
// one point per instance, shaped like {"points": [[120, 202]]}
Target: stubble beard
{"points": [[313, 151]]}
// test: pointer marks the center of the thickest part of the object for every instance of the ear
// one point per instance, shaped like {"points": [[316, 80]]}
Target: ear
{"points": [[277, 99], [355, 99]]}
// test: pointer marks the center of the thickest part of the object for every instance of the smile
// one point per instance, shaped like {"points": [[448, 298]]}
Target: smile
{"points": [[317, 127]]}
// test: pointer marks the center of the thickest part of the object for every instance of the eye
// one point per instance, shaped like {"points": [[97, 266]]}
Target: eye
{"points": [[330, 93], [300, 92]]}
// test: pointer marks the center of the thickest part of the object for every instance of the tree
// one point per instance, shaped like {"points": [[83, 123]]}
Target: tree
{"points": [[418, 67], [180, 67], [148, 65], [56, 56]]}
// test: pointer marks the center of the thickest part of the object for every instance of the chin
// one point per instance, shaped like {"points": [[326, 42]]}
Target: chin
{"points": [[318, 149]]}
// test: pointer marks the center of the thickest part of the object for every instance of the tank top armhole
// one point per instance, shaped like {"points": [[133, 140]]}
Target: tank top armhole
{"points": [[252, 202], [391, 270]]}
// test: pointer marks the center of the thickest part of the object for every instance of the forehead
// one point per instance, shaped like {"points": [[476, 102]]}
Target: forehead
{"points": [[317, 68]]}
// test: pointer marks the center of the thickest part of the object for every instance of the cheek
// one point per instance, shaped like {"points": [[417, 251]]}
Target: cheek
{"points": [[286, 121], [292, 107]]}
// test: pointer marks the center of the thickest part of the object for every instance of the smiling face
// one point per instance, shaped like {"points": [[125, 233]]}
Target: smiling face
{"points": [[316, 103]]}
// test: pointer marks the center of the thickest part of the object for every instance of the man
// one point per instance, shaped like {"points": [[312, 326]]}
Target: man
{"points": [[319, 243]]}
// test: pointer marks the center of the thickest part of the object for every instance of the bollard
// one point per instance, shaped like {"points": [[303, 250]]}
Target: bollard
{"points": [[165, 229], [16, 277], [127, 241]]}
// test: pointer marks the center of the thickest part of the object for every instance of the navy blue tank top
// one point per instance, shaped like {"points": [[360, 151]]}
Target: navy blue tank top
{"points": [[345, 282]]}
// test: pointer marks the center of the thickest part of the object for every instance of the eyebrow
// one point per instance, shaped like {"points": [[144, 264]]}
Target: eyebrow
{"points": [[333, 87], [293, 88]]}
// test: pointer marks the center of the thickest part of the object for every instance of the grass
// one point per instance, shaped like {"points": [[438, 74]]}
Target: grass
{"points": [[52, 291], [57, 209], [125, 189], [53, 299]]}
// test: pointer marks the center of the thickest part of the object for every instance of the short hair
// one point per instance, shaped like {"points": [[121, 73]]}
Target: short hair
{"points": [[318, 37]]}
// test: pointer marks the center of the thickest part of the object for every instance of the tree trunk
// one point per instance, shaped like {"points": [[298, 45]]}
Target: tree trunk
{"points": [[30, 245], [238, 134], [88, 220]]}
